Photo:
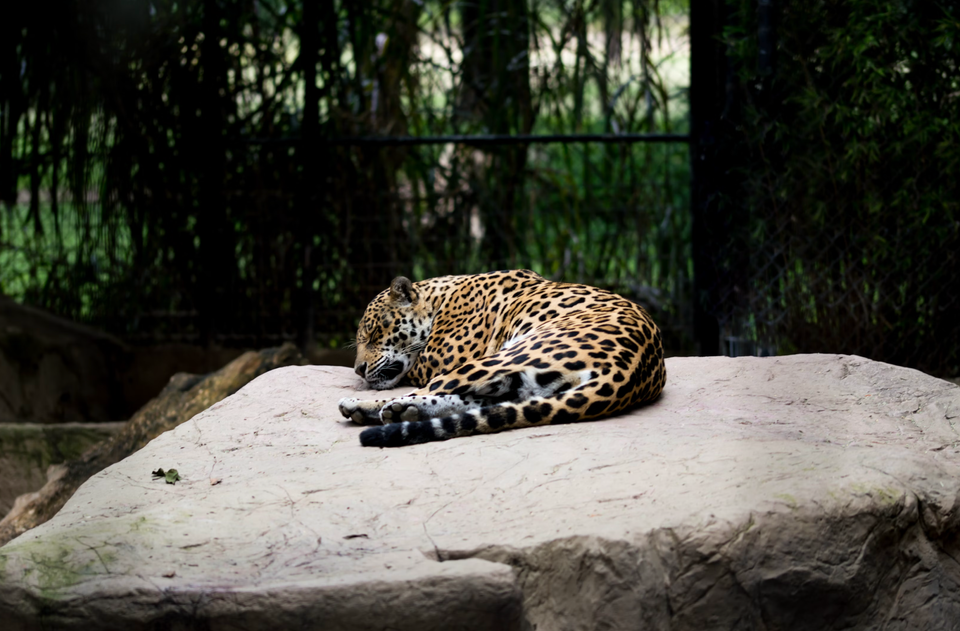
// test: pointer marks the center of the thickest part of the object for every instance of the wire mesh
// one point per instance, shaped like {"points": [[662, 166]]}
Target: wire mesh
{"points": [[224, 187], [613, 216], [838, 227]]}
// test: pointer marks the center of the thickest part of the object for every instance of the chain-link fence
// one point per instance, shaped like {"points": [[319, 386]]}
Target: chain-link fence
{"points": [[610, 214], [243, 174], [838, 217]]}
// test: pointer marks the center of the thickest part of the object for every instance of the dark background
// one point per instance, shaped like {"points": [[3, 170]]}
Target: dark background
{"points": [[783, 178]]}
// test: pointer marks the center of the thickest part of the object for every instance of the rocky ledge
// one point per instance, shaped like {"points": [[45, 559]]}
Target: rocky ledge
{"points": [[803, 492]]}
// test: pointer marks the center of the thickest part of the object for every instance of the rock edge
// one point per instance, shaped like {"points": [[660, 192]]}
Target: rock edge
{"points": [[803, 492]]}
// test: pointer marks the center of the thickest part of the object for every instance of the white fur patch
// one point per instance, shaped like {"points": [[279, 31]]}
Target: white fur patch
{"points": [[516, 338]]}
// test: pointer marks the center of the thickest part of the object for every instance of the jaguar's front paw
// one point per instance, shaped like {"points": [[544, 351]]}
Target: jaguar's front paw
{"points": [[349, 408], [360, 412]]}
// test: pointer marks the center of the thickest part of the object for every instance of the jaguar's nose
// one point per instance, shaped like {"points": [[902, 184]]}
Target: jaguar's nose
{"points": [[361, 370]]}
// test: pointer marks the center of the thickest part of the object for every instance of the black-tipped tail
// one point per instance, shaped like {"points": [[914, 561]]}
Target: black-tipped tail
{"points": [[538, 411], [400, 434]]}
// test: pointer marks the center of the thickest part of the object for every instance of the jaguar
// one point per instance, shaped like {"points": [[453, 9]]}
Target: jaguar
{"points": [[496, 351]]}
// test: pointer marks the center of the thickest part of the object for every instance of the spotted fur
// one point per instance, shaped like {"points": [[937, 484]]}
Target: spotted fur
{"points": [[500, 350]]}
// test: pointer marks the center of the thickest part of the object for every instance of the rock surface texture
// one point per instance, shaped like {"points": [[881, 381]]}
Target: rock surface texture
{"points": [[804, 492], [184, 397]]}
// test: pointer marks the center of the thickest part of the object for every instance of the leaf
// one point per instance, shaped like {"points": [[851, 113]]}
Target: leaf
{"points": [[170, 476]]}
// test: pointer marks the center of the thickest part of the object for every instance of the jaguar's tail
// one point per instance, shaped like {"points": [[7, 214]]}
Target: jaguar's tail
{"points": [[566, 407]]}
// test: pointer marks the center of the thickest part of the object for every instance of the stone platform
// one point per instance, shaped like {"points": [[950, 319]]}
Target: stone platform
{"points": [[802, 492]]}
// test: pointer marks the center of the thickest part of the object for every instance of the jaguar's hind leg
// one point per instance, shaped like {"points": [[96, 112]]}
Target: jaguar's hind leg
{"points": [[447, 395], [417, 407], [406, 408]]}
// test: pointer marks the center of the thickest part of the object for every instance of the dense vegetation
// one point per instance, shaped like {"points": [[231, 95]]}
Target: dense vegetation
{"points": [[180, 170], [843, 196], [174, 170]]}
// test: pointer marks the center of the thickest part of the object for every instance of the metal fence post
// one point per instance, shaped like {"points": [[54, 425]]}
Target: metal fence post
{"points": [[707, 76]]}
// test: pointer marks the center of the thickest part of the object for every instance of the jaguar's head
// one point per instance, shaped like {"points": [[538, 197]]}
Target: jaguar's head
{"points": [[393, 330]]}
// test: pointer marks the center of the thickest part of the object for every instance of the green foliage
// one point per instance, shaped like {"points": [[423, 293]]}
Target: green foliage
{"points": [[849, 179], [172, 171]]}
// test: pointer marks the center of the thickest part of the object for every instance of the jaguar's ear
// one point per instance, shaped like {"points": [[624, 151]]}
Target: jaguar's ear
{"points": [[402, 293]]}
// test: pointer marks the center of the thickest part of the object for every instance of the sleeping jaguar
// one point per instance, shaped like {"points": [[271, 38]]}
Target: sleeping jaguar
{"points": [[500, 350]]}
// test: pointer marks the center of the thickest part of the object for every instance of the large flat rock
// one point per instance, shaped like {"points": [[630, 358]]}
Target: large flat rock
{"points": [[802, 492]]}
